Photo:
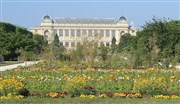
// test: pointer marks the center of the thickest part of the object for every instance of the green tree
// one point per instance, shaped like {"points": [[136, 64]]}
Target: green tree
{"points": [[90, 48], [103, 52], [124, 41], [56, 40], [14, 38], [76, 55], [113, 45], [113, 40]]}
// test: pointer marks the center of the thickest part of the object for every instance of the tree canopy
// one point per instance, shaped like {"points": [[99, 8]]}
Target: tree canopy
{"points": [[156, 43], [13, 38]]}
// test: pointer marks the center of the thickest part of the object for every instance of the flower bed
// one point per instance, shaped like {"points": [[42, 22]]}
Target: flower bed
{"points": [[91, 83]]}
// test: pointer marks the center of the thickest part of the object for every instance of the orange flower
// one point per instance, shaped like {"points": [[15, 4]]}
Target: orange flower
{"points": [[113, 78]]}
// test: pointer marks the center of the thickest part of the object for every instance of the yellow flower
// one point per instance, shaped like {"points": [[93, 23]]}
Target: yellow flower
{"points": [[119, 95], [82, 96], [161, 97], [103, 96], [87, 96], [174, 97], [11, 86]]}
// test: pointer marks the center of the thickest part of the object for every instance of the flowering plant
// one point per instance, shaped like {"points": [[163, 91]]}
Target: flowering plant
{"points": [[57, 94], [10, 86]]}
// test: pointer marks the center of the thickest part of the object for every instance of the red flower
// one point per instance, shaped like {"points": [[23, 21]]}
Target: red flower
{"points": [[113, 78], [126, 93]]}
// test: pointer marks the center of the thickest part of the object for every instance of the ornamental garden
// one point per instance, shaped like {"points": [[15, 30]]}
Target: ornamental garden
{"points": [[139, 67], [90, 83]]}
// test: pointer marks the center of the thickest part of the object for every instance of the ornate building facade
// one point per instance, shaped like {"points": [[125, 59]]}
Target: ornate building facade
{"points": [[72, 31]]}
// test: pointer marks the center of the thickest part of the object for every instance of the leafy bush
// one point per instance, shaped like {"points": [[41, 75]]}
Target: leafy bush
{"points": [[25, 92], [89, 90], [1, 59]]}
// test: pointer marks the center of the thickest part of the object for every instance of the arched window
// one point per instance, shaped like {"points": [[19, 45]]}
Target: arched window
{"points": [[46, 34], [122, 33]]}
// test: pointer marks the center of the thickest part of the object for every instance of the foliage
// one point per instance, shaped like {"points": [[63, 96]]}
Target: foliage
{"points": [[14, 38], [26, 55], [76, 55], [1, 59], [24, 92], [113, 45], [90, 52], [56, 40], [103, 52], [51, 54], [152, 86], [155, 44]]}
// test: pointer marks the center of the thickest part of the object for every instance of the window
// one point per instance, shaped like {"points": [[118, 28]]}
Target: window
{"points": [[67, 33], [102, 33], [107, 43], [78, 34], [95, 33], [78, 43], [67, 44], [89, 33], [113, 33], [60, 32], [61, 43], [46, 34], [122, 33], [107, 33], [84, 32], [72, 44], [55, 31], [72, 33]]}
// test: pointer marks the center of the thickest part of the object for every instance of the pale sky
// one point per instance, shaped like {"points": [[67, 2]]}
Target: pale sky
{"points": [[28, 13]]}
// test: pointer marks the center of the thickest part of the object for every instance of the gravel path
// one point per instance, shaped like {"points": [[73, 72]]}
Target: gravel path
{"points": [[8, 67]]}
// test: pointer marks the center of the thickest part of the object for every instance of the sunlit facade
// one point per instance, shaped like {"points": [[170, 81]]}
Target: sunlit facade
{"points": [[72, 31]]}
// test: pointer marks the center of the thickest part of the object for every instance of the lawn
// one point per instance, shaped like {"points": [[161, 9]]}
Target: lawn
{"points": [[36, 100]]}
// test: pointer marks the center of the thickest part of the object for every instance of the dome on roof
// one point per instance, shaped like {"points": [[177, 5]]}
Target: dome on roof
{"points": [[122, 18], [46, 17]]}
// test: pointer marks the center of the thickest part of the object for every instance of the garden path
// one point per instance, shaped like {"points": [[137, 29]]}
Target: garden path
{"points": [[8, 67]]}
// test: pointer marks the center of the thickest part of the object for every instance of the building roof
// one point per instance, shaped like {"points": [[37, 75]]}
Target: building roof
{"points": [[84, 21], [46, 17], [122, 18]]}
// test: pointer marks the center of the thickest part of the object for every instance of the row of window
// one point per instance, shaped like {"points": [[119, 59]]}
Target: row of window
{"points": [[89, 33], [67, 44]]}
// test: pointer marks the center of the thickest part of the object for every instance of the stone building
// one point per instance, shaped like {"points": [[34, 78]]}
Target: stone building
{"points": [[72, 31]]}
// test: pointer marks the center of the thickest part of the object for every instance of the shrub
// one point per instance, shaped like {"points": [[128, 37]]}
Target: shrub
{"points": [[24, 92], [1, 59], [89, 90]]}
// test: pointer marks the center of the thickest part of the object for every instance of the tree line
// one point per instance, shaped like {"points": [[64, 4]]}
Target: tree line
{"points": [[157, 44], [16, 40]]}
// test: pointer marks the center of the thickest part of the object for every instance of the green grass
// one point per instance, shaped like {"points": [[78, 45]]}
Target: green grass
{"points": [[5, 63], [34, 100]]}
